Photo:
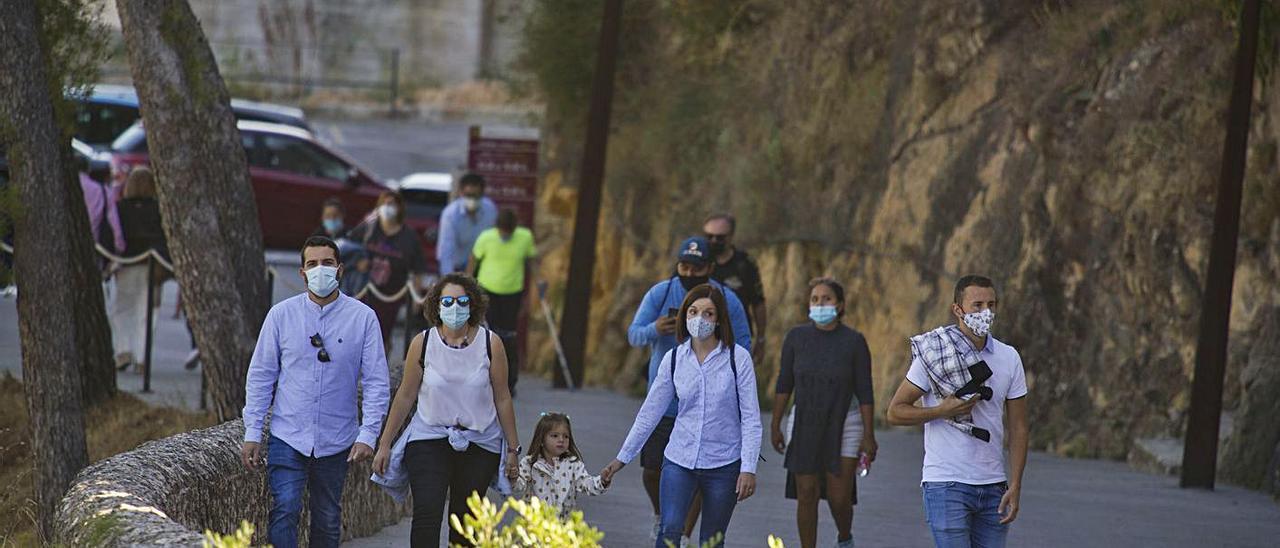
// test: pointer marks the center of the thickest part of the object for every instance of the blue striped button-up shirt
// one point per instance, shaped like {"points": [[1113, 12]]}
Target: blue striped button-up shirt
{"points": [[459, 230], [314, 403], [712, 428]]}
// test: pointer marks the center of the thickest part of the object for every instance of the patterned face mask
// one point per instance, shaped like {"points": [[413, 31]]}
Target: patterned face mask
{"points": [[980, 322], [700, 328]]}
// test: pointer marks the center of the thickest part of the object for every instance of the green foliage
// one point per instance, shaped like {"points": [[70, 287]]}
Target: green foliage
{"points": [[241, 538], [75, 43], [536, 524], [715, 541], [559, 38]]}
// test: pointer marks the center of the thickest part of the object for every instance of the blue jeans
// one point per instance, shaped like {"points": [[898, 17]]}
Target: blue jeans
{"points": [[675, 494], [962, 515], [288, 472]]}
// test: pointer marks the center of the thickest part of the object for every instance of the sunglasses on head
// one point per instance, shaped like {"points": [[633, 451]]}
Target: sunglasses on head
{"points": [[463, 301], [322, 355]]}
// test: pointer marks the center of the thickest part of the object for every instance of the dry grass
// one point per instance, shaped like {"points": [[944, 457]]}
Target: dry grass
{"points": [[116, 426]]}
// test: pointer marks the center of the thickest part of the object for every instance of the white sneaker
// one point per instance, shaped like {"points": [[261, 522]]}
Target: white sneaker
{"points": [[686, 542], [657, 528], [845, 543]]}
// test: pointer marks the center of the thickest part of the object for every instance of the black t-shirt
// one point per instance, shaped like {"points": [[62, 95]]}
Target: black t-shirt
{"points": [[742, 276], [392, 258]]}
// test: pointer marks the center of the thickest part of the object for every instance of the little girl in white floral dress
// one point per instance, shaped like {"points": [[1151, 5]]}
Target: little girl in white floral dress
{"points": [[553, 470]]}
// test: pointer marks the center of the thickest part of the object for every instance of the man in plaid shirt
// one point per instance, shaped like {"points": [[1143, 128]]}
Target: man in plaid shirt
{"points": [[969, 500]]}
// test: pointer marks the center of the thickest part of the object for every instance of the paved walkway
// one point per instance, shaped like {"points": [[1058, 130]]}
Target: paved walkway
{"points": [[1066, 502]]}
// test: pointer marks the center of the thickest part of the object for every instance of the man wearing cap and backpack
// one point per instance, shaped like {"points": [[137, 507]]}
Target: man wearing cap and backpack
{"points": [[654, 326]]}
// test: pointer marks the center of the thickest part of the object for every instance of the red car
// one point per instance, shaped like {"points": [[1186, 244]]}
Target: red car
{"points": [[292, 174]]}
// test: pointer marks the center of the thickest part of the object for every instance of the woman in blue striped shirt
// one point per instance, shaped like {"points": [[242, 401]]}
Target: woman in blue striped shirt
{"points": [[716, 440]]}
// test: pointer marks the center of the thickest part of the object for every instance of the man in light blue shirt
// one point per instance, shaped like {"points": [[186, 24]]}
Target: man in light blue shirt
{"points": [[461, 223], [312, 351], [654, 326]]}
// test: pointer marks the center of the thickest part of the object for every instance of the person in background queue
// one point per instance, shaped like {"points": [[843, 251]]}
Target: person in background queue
{"points": [[461, 223], [500, 260], [143, 230], [738, 271], [312, 351], [395, 259]]}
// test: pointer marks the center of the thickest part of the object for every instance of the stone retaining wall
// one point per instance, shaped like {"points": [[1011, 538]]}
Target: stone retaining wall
{"points": [[167, 492]]}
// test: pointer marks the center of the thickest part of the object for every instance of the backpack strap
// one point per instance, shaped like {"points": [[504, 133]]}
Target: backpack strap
{"points": [[422, 360], [488, 345]]}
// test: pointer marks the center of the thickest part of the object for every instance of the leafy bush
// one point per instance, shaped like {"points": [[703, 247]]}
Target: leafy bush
{"points": [[536, 524], [242, 538]]}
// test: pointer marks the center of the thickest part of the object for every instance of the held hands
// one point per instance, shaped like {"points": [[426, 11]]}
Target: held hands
{"points": [[746, 486], [665, 325], [952, 406], [606, 475], [513, 465], [779, 442], [251, 455], [359, 452], [1008, 508]]}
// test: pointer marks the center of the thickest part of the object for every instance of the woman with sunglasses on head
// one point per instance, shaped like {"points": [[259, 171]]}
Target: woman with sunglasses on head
{"points": [[464, 428], [715, 442]]}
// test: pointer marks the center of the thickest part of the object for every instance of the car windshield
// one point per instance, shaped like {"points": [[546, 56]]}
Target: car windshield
{"points": [[98, 123]]}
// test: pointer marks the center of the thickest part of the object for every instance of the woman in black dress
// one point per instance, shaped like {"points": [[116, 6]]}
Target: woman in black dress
{"points": [[827, 365]]}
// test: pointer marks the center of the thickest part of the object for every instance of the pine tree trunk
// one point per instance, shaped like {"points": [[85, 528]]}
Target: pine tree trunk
{"points": [[206, 199], [46, 252]]}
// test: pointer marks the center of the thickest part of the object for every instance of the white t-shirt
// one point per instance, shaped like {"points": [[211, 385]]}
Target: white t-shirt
{"points": [[952, 455]]}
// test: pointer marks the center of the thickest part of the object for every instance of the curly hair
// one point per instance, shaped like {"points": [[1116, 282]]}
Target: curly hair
{"points": [[479, 301]]}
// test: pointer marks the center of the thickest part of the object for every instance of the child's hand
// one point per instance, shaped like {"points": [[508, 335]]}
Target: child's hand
{"points": [[606, 475]]}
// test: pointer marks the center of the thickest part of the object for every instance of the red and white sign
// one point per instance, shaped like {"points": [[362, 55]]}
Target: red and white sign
{"points": [[510, 170]]}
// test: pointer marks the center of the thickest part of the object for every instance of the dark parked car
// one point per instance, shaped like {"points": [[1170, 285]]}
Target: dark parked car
{"points": [[103, 114], [292, 174]]}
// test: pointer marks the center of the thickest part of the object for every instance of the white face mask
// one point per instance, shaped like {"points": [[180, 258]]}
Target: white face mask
{"points": [[454, 316], [980, 322], [388, 212], [470, 203], [699, 328], [322, 280]]}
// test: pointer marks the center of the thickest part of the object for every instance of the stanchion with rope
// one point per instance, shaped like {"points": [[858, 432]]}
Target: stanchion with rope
{"points": [[146, 360]]}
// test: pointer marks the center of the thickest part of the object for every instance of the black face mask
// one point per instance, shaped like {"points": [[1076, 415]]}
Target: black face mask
{"points": [[690, 282], [716, 248]]}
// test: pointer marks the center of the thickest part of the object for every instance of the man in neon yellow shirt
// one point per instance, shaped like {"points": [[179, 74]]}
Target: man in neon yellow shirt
{"points": [[499, 259]]}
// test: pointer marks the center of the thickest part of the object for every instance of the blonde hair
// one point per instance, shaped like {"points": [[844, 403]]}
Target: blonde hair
{"points": [[140, 184]]}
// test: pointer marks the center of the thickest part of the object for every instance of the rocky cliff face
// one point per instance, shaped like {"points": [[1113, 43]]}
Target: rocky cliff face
{"points": [[1069, 150]]}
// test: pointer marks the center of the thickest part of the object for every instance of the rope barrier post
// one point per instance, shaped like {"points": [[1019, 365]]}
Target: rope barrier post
{"points": [[204, 388], [271, 285], [408, 318], [146, 360]]}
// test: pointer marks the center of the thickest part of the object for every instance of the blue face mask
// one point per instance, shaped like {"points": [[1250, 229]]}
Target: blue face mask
{"points": [[332, 226], [322, 280], [454, 316], [822, 315]]}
